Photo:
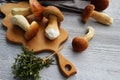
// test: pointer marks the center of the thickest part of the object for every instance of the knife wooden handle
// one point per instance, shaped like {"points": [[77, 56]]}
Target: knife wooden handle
{"points": [[66, 67]]}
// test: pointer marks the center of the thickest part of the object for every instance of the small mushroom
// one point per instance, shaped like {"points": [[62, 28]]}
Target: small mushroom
{"points": [[81, 43], [21, 11], [54, 16], [31, 29], [98, 16], [100, 5]]}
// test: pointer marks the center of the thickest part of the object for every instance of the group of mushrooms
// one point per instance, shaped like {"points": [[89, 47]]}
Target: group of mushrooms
{"points": [[36, 12], [27, 19], [92, 10]]}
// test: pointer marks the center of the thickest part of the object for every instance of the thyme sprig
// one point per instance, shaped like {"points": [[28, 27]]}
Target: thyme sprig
{"points": [[27, 65]]}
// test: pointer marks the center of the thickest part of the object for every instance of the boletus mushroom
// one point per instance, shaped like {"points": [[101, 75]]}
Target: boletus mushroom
{"points": [[81, 43], [30, 29], [36, 8], [100, 5], [21, 11], [98, 16], [54, 16]]}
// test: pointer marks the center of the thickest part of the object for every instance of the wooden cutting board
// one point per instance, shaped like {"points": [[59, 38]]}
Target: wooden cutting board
{"points": [[39, 43]]}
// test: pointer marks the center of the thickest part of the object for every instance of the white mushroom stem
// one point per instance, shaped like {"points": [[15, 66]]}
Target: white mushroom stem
{"points": [[90, 33], [21, 11], [31, 29], [21, 21], [102, 18], [52, 30]]}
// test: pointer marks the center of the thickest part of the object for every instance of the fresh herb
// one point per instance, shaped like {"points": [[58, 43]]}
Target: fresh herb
{"points": [[27, 65]]}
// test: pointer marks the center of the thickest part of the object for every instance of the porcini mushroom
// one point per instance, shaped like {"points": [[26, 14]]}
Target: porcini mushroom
{"points": [[31, 29], [54, 16], [81, 43], [21, 11], [36, 8], [100, 5], [98, 16]]}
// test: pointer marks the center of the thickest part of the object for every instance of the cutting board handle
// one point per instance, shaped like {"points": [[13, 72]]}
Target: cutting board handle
{"points": [[66, 67]]}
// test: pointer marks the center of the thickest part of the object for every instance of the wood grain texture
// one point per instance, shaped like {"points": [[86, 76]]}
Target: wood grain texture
{"points": [[100, 61]]}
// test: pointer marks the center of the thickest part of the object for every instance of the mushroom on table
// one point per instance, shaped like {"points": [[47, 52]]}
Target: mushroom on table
{"points": [[100, 5], [54, 16], [81, 43], [98, 16]]}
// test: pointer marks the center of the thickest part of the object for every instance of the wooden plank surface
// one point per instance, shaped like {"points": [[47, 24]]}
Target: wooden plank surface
{"points": [[100, 61]]}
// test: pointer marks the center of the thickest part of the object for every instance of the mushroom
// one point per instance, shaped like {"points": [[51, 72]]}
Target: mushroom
{"points": [[36, 8], [31, 29], [32, 18], [54, 16], [98, 16], [81, 43], [100, 5], [21, 11], [25, 12], [34, 12]]}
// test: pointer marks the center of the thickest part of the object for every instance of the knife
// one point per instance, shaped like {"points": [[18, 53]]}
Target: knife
{"points": [[67, 6]]}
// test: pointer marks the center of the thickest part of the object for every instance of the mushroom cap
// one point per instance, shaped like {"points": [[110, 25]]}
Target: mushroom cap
{"points": [[36, 8], [54, 11], [79, 44], [32, 31], [100, 5], [87, 12], [32, 18]]}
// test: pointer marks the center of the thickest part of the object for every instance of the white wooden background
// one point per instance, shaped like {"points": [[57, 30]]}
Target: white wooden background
{"points": [[100, 61]]}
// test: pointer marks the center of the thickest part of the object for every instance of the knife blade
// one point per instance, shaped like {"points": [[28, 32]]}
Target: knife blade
{"points": [[77, 4], [62, 6]]}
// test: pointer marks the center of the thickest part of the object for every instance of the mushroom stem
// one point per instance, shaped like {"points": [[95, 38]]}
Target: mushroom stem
{"points": [[54, 16], [31, 29], [21, 11], [52, 30], [102, 17], [20, 21], [90, 33]]}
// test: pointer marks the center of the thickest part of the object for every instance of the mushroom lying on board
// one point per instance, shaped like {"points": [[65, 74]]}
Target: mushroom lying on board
{"points": [[98, 16], [25, 12], [21, 11], [36, 8], [54, 16], [31, 29], [81, 43]]}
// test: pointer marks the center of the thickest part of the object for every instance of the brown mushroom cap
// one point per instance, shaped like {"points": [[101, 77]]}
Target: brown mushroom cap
{"points": [[79, 44], [87, 12], [32, 31], [36, 8], [100, 5], [54, 11]]}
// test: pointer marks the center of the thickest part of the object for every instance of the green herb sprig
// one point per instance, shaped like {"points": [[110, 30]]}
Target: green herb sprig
{"points": [[27, 65]]}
